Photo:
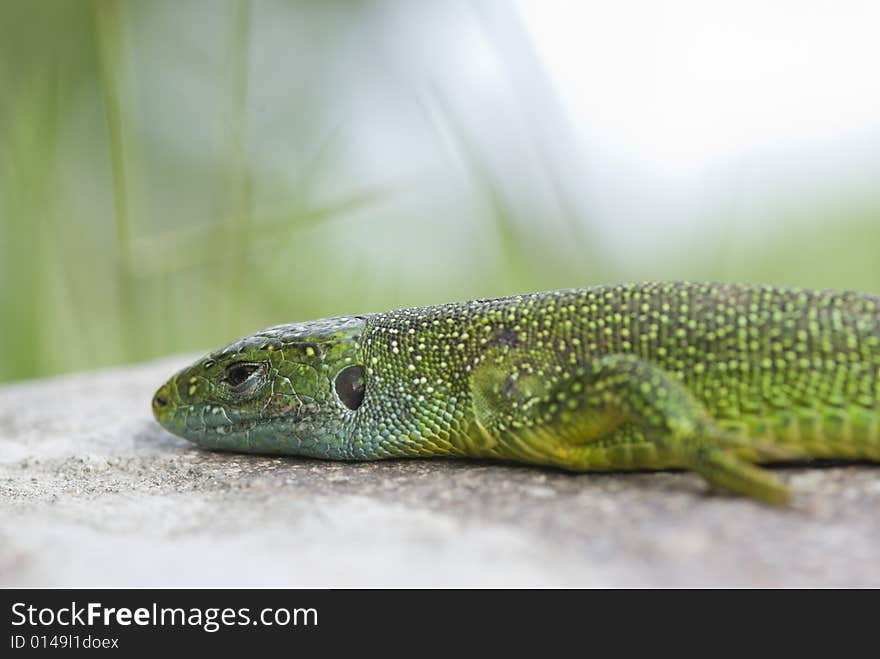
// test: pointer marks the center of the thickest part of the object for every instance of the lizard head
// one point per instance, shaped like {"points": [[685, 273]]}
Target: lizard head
{"points": [[290, 389]]}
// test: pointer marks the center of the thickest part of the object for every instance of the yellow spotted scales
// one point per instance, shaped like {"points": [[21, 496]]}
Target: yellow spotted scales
{"points": [[708, 377]]}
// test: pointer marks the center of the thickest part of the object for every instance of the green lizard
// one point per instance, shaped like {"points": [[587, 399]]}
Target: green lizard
{"points": [[708, 377]]}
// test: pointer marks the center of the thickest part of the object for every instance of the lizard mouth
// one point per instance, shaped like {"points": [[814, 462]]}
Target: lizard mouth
{"points": [[232, 428], [222, 428], [267, 435]]}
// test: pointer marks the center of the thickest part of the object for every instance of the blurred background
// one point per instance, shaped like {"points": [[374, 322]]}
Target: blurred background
{"points": [[175, 173]]}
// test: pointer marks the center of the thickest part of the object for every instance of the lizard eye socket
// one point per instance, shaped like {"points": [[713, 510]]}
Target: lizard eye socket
{"points": [[350, 386], [242, 377]]}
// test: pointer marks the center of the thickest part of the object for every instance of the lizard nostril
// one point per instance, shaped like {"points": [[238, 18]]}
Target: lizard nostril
{"points": [[162, 404], [160, 400]]}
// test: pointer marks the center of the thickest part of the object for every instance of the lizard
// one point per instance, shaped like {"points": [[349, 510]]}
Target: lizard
{"points": [[714, 378]]}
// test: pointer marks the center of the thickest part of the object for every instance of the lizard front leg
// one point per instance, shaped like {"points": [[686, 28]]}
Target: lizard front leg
{"points": [[615, 412]]}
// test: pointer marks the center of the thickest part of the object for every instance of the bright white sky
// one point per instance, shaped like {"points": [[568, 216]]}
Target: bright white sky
{"points": [[670, 87]]}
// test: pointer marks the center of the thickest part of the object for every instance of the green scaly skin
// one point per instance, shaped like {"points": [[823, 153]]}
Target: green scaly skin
{"points": [[708, 377]]}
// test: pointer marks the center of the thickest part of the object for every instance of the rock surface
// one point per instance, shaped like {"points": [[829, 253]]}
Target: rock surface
{"points": [[94, 493]]}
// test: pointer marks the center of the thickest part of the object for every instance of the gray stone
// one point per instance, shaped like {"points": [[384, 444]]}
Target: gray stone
{"points": [[94, 493]]}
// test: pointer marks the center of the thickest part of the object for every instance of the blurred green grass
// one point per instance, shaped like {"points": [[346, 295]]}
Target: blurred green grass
{"points": [[139, 217]]}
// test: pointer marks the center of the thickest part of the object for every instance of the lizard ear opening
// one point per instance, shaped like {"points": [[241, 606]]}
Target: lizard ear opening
{"points": [[350, 384]]}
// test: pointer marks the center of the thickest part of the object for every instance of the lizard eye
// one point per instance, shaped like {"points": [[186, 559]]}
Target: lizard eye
{"points": [[243, 376], [350, 386]]}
